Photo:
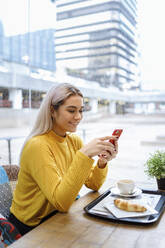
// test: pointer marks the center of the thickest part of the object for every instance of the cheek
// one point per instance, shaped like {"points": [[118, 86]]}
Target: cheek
{"points": [[62, 119], [56, 118]]}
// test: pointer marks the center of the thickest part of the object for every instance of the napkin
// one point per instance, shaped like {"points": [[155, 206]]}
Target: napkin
{"points": [[119, 213]]}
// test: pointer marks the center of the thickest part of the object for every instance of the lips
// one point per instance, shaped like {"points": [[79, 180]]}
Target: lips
{"points": [[74, 124]]}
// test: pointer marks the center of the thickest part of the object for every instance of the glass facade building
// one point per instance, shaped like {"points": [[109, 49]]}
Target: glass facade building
{"points": [[37, 49], [30, 54], [97, 40]]}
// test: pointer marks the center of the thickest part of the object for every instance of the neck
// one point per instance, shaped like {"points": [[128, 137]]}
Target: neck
{"points": [[59, 134]]}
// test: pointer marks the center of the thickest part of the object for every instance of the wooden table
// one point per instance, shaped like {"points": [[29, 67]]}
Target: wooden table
{"points": [[75, 229]]}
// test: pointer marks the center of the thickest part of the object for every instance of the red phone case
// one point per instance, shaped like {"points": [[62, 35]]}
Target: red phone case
{"points": [[117, 133]]}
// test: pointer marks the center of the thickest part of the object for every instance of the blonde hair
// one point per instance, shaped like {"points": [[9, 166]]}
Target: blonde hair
{"points": [[56, 96]]}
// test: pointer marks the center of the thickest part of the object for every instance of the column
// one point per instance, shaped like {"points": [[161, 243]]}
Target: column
{"points": [[138, 108], [112, 107], [15, 95], [94, 105]]}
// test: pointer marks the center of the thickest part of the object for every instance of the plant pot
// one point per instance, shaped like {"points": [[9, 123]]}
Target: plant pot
{"points": [[161, 183]]}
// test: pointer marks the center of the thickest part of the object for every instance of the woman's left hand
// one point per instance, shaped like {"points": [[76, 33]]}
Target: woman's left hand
{"points": [[106, 156]]}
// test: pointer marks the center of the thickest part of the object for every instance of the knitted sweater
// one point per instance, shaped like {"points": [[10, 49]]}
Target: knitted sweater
{"points": [[52, 172]]}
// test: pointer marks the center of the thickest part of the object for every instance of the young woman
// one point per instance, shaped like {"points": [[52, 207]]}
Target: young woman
{"points": [[54, 163]]}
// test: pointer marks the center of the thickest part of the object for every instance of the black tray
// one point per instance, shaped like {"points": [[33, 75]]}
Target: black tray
{"points": [[151, 218]]}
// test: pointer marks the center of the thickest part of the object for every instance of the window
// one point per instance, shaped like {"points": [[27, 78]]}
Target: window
{"points": [[26, 43]]}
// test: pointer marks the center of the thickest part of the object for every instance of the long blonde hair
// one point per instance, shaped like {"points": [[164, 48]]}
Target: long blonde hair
{"points": [[56, 96]]}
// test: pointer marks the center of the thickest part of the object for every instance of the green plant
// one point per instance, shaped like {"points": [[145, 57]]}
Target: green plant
{"points": [[155, 165]]}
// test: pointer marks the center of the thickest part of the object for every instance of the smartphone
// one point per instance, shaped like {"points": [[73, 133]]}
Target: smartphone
{"points": [[117, 133]]}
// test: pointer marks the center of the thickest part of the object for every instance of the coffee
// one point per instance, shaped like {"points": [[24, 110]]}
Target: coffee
{"points": [[126, 186]]}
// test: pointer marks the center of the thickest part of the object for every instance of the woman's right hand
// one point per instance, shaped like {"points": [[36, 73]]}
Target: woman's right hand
{"points": [[98, 146]]}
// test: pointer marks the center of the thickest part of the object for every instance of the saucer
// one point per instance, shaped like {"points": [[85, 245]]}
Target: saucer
{"points": [[115, 191]]}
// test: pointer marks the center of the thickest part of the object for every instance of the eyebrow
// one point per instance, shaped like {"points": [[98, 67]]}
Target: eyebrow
{"points": [[73, 107]]}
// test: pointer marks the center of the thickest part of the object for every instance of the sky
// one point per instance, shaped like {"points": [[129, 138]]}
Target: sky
{"points": [[14, 14], [152, 43]]}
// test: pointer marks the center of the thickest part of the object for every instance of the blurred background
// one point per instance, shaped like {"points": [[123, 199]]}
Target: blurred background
{"points": [[113, 51]]}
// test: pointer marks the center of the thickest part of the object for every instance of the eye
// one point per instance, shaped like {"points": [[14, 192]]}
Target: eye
{"points": [[71, 111]]}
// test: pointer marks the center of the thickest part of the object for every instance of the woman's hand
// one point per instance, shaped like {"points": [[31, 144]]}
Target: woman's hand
{"points": [[101, 146], [106, 156]]}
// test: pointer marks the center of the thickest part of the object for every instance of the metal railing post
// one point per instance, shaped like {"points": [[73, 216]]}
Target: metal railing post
{"points": [[9, 139], [9, 149], [84, 134]]}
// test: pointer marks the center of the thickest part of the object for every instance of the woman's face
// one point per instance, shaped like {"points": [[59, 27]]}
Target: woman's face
{"points": [[68, 115]]}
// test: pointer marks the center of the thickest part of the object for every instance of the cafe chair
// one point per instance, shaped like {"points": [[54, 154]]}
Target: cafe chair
{"points": [[8, 179], [12, 173]]}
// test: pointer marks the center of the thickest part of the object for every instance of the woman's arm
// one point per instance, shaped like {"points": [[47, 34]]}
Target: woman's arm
{"points": [[99, 172], [60, 189], [96, 178]]}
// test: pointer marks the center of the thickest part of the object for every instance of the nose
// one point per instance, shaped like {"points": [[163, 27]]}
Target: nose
{"points": [[78, 116]]}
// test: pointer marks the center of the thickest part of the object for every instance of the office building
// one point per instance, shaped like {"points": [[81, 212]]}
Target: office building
{"points": [[97, 40], [25, 55], [1, 41], [36, 49]]}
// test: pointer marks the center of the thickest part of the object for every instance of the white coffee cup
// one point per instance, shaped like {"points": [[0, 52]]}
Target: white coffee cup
{"points": [[126, 186]]}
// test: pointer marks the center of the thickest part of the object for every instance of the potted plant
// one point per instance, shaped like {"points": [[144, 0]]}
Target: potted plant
{"points": [[155, 167]]}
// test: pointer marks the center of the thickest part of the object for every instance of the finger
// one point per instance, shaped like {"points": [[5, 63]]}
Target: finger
{"points": [[106, 144], [116, 146], [105, 138], [104, 156], [105, 152], [111, 157], [113, 153], [108, 156], [110, 149], [113, 139]]}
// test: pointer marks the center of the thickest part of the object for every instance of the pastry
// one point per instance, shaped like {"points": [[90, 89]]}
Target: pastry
{"points": [[129, 206]]}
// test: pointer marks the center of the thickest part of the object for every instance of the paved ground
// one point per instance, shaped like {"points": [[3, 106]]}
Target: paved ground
{"points": [[136, 143]]}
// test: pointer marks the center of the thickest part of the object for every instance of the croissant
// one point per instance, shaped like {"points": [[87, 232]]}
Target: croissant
{"points": [[129, 206]]}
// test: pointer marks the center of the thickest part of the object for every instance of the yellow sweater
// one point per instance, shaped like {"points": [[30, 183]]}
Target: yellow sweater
{"points": [[52, 172]]}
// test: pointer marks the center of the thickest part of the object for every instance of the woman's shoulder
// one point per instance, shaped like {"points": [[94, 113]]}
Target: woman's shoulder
{"points": [[37, 140], [38, 137]]}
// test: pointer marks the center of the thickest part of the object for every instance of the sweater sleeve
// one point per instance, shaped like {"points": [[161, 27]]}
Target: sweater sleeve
{"points": [[96, 178], [60, 191]]}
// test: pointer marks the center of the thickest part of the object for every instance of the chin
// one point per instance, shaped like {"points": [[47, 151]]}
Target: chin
{"points": [[72, 130]]}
